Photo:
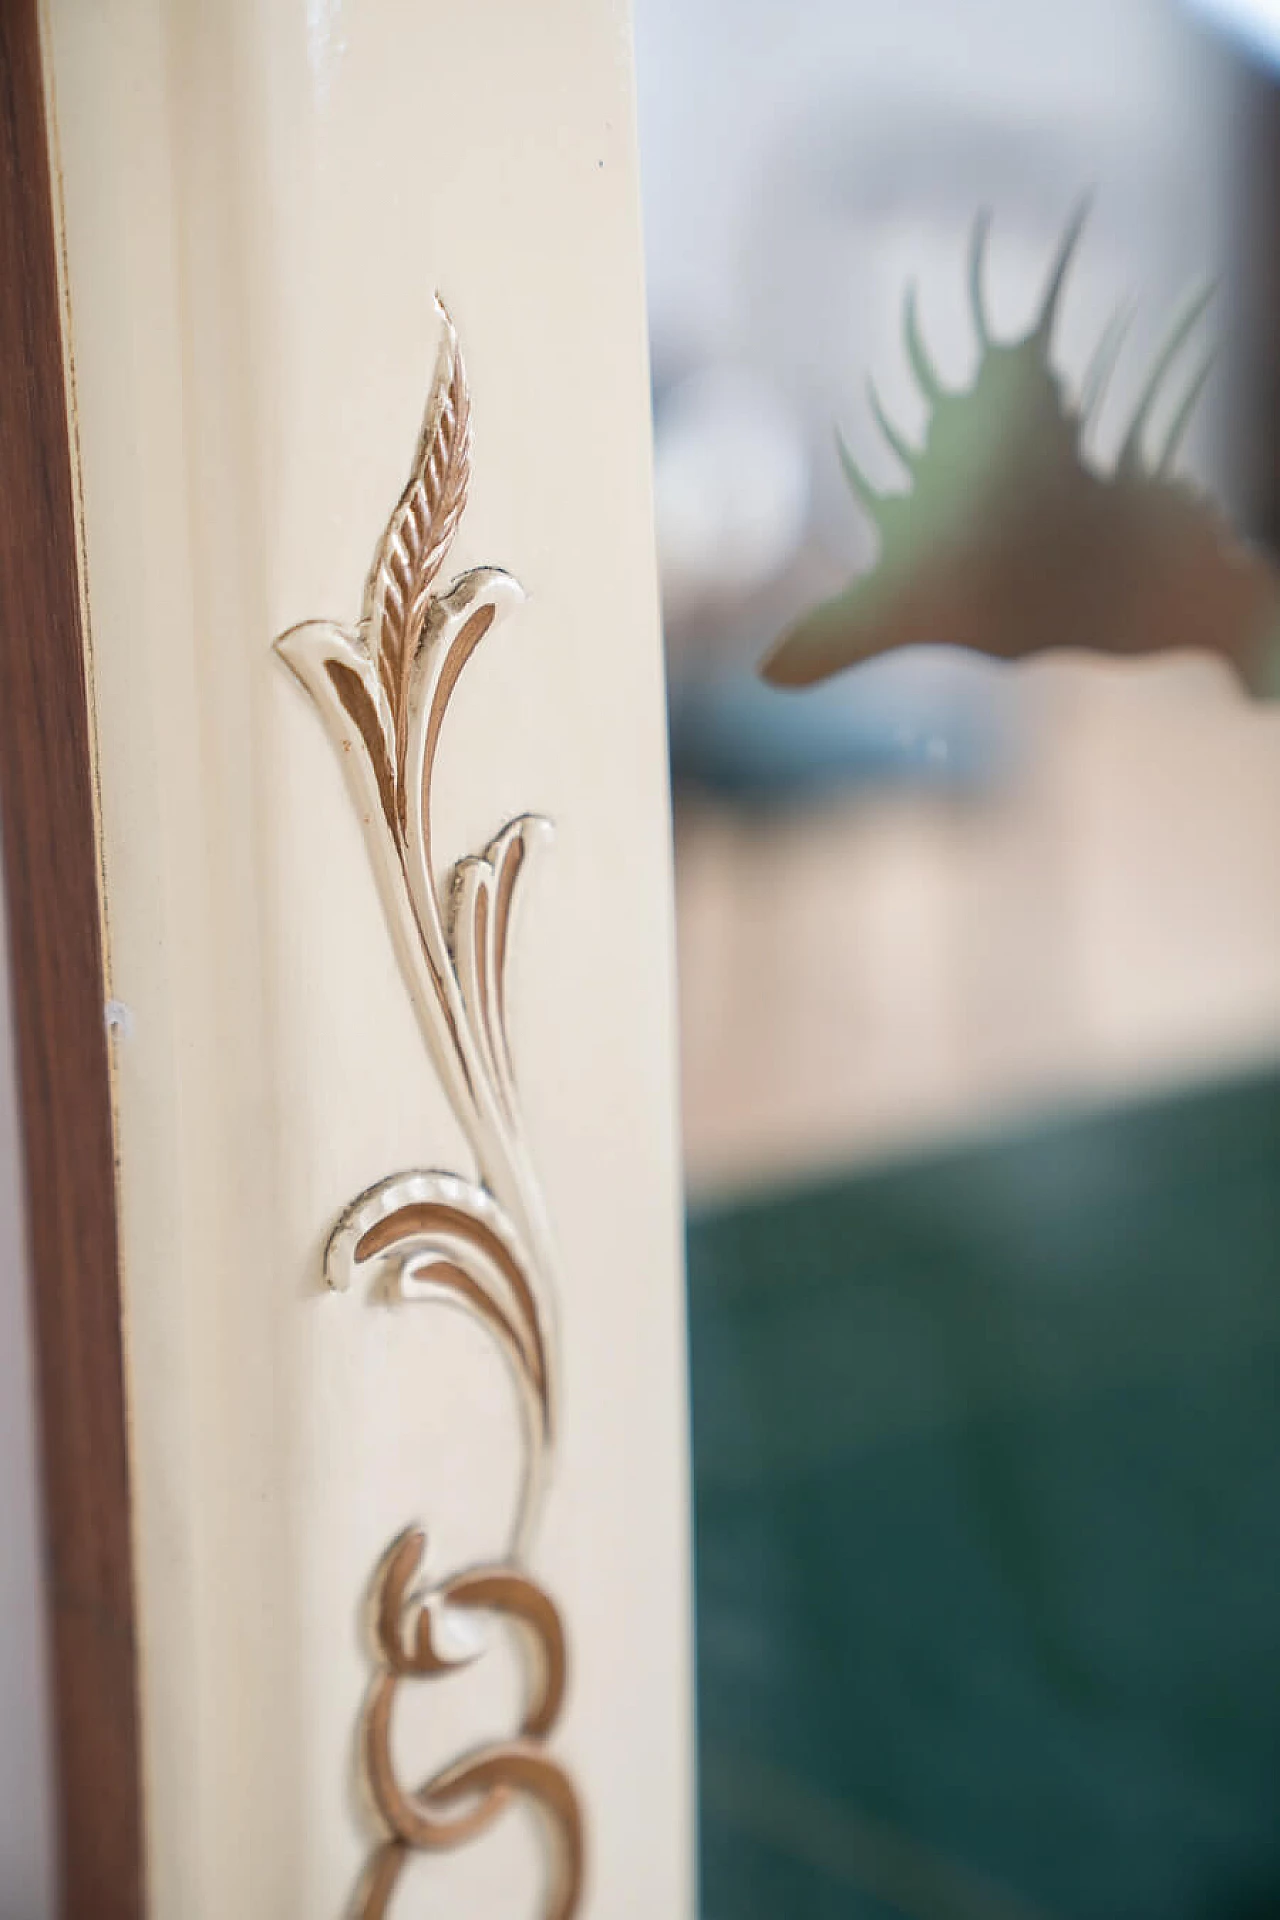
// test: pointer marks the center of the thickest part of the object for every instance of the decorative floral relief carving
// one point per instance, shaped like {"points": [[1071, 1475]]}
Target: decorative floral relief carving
{"points": [[382, 690]]}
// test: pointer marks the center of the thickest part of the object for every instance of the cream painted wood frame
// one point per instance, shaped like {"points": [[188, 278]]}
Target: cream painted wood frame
{"points": [[260, 202]]}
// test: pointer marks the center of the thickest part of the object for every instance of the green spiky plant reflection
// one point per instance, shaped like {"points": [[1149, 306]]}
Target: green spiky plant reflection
{"points": [[1010, 543]]}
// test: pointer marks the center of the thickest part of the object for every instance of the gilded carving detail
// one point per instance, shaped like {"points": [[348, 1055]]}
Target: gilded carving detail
{"points": [[382, 690]]}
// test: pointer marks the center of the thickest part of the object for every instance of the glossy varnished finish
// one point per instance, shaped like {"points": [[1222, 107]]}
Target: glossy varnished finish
{"points": [[56, 959]]}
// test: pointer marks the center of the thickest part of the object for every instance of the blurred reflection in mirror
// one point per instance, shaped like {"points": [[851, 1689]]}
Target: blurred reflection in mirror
{"points": [[979, 965]]}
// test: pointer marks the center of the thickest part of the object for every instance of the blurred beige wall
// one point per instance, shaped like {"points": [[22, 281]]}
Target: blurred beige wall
{"points": [[875, 972]]}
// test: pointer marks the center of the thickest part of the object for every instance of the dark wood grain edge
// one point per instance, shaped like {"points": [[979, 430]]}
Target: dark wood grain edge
{"points": [[56, 963]]}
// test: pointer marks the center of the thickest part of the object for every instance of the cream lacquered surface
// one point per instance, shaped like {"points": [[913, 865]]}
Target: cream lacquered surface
{"points": [[260, 201]]}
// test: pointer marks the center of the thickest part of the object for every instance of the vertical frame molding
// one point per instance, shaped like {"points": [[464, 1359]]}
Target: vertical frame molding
{"points": [[255, 201], [55, 949]]}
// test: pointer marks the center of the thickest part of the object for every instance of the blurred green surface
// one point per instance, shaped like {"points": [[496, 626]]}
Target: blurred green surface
{"points": [[987, 1477]]}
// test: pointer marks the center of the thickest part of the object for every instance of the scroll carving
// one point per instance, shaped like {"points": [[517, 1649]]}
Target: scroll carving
{"points": [[382, 690]]}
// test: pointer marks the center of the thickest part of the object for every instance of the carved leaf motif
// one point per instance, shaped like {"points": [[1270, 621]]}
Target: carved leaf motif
{"points": [[360, 708], [418, 533], [383, 690], [439, 1236], [484, 891]]}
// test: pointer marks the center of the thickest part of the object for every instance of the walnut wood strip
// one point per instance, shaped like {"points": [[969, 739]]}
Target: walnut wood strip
{"points": [[56, 965]]}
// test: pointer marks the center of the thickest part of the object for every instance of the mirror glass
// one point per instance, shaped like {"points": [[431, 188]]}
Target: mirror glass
{"points": [[963, 324]]}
